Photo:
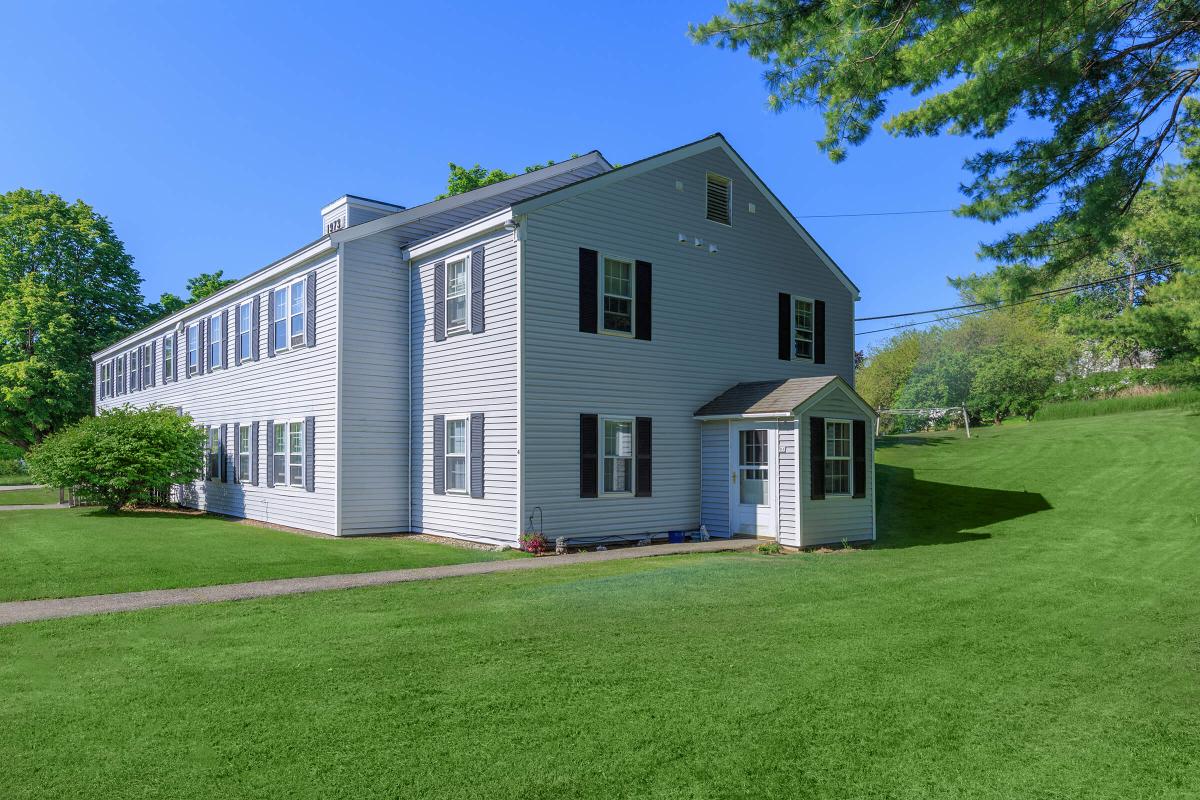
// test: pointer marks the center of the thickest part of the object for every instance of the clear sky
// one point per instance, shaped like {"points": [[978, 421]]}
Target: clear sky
{"points": [[211, 134]]}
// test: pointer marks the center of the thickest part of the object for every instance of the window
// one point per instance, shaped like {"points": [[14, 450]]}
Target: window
{"points": [[837, 457], [755, 447], [720, 191], [287, 463], [243, 451], [214, 453], [617, 455], [457, 280], [288, 310], [456, 454], [147, 366], [119, 374], [132, 361], [216, 342], [243, 325], [168, 358], [616, 295], [193, 349], [802, 323]]}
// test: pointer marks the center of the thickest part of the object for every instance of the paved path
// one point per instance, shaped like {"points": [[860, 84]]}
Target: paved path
{"points": [[33, 610], [17, 488], [31, 507]]}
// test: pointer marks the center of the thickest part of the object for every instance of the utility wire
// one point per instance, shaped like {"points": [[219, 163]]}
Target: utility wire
{"points": [[896, 213], [991, 306]]}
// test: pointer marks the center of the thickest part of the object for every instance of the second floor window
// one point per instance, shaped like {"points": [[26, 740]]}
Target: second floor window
{"points": [[168, 358], [147, 366], [288, 310], [457, 272], [193, 349], [243, 342], [216, 342], [133, 369], [617, 296], [802, 317]]}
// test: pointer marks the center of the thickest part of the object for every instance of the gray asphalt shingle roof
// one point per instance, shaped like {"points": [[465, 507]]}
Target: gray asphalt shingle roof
{"points": [[764, 397]]}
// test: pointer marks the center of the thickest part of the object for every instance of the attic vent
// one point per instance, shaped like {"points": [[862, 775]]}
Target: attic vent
{"points": [[719, 190]]}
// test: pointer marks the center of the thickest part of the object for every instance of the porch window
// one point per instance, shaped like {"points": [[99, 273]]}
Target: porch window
{"points": [[618, 456], [617, 296], [802, 317], [837, 457]]}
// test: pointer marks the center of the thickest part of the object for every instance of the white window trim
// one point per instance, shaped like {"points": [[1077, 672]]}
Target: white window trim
{"points": [[239, 332], [244, 429], [849, 459], [465, 327], [632, 458], [187, 349], [287, 319], [632, 296], [209, 342], [466, 454], [812, 330], [287, 454], [729, 203]]}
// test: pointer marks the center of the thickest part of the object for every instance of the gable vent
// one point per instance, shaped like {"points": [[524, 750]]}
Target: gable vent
{"points": [[719, 191]]}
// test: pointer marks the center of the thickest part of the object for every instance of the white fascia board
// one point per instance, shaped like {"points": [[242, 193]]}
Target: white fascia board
{"points": [[781, 415], [448, 203], [837, 383], [670, 157], [318, 249], [454, 236]]}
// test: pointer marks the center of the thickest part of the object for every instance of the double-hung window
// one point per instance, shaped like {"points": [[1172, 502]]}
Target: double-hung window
{"points": [[456, 454], [617, 455], [458, 278], [288, 309], [287, 463], [214, 453], [119, 374], [802, 326], [147, 366], [216, 341], [244, 328], [837, 457], [193, 349], [616, 296], [133, 369], [243, 451], [168, 346]]}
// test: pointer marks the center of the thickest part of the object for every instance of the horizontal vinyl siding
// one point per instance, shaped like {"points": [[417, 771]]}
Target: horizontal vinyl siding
{"points": [[292, 385], [833, 519], [374, 401], [714, 493], [468, 373], [714, 323]]}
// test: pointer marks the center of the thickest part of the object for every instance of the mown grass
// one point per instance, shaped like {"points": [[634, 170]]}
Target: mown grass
{"points": [[21, 497], [15, 480], [1184, 398], [66, 553], [1028, 626]]}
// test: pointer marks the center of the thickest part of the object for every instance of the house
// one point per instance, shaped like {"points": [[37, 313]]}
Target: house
{"points": [[595, 352]]}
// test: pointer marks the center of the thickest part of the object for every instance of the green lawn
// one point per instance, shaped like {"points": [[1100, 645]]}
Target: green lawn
{"points": [[47, 553], [14, 480], [1028, 627], [21, 497]]}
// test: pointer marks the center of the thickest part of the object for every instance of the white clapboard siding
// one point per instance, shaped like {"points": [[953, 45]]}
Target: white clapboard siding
{"points": [[289, 387], [785, 483], [468, 373], [715, 477], [833, 519], [714, 325]]}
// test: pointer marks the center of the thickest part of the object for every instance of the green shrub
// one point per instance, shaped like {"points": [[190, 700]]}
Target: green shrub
{"points": [[12, 466], [770, 548], [1118, 405], [122, 456], [1179, 375]]}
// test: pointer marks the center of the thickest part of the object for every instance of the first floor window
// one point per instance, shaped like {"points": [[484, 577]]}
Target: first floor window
{"points": [[456, 454], [802, 318], [837, 456], [279, 454], [618, 456], [456, 293], [243, 450], [168, 358], [216, 341], [193, 349], [244, 326], [617, 296], [287, 461], [214, 453]]}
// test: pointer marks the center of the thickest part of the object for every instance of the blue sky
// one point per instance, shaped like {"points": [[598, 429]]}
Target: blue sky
{"points": [[211, 134]]}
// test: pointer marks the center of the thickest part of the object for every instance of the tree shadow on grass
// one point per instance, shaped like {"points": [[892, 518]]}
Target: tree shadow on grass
{"points": [[908, 439], [913, 512]]}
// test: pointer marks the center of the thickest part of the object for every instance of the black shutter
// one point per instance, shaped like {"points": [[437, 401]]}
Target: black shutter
{"points": [[588, 285], [310, 311], [270, 453], [153, 360], [439, 454], [589, 455], [816, 456], [270, 323], [208, 453], [642, 308], [477, 455], [477, 291], [254, 453], [201, 346], [254, 329], [819, 332], [642, 441], [860, 458], [222, 454], [785, 326], [235, 458], [310, 453], [225, 339], [237, 335], [439, 301]]}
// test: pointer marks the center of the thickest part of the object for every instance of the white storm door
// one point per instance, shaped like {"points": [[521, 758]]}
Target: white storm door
{"points": [[752, 462]]}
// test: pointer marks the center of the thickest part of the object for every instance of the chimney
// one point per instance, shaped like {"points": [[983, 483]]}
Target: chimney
{"points": [[350, 210]]}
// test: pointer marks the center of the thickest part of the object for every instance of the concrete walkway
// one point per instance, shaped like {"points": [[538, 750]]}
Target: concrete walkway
{"points": [[35, 506], [34, 610], [18, 488]]}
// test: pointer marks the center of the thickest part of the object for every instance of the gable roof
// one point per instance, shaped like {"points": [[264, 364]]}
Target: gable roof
{"points": [[784, 397], [716, 140]]}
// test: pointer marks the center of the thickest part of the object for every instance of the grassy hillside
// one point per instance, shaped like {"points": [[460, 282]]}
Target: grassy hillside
{"points": [[1028, 626]]}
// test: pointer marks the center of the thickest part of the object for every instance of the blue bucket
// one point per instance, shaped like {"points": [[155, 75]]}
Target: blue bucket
{"points": [[675, 537]]}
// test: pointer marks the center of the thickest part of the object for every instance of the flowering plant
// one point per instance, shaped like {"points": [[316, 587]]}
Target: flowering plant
{"points": [[533, 543]]}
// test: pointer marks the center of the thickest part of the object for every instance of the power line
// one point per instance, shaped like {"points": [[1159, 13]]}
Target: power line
{"points": [[895, 213], [992, 306]]}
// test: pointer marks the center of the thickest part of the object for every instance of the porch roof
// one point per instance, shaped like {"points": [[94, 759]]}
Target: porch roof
{"points": [[764, 397]]}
